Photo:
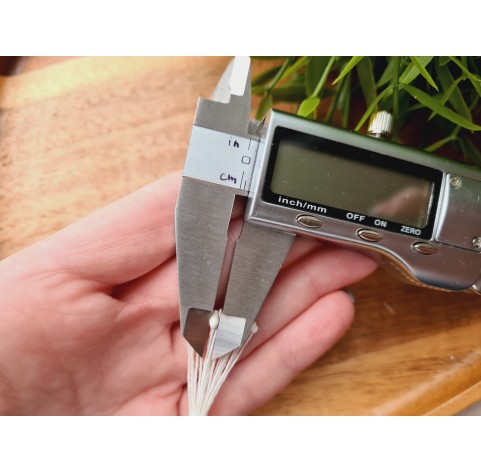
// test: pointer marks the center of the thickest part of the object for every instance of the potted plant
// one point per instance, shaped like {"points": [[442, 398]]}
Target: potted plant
{"points": [[434, 100]]}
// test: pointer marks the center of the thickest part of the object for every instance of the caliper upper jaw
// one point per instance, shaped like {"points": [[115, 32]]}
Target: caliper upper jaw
{"points": [[229, 108], [204, 207]]}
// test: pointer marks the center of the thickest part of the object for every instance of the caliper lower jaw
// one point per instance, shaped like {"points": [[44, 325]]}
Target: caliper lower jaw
{"points": [[202, 219]]}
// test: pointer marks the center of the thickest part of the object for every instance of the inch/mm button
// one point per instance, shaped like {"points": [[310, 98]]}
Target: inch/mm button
{"points": [[369, 235]]}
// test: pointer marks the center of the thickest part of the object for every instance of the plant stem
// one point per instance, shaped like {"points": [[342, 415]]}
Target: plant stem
{"points": [[395, 97], [280, 73], [323, 78], [335, 101]]}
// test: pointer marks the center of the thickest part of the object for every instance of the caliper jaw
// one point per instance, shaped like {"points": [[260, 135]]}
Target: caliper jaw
{"points": [[205, 202], [229, 108], [201, 219]]}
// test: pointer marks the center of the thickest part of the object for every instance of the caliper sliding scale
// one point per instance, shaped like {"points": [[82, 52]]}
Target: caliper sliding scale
{"points": [[230, 156]]}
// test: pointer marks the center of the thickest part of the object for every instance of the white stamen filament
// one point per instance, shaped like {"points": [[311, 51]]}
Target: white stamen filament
{"points": [[205, 375]]}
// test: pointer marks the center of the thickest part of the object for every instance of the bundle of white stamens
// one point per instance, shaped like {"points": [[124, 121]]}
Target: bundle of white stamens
{"points": [[206, 375]]}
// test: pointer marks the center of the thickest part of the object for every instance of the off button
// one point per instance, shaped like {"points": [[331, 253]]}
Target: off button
{"points": [[369, 235]]}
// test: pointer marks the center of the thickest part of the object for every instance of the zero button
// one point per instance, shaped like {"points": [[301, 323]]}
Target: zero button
{"points": [[425, 249]]}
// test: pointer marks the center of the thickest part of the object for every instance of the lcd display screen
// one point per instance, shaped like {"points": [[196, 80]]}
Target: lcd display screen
{"points": [[352, 185]]}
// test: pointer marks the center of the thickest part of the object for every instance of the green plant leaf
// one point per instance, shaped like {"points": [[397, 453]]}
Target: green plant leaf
{"points": [[280, 72], [422, 70], [439, 144], [348, 67], [470, 150], [324, 76], [366, 79], [446, 96], [452, 92], [308, 106], [473, 65], [258, 90], [386, 76], [372, 107], [411, 71], [476, 81], [435, 105], [334, 103], [293, 93], [443, 60], [395, 97], [264, 106], [345, 100], [314, 71], [301, 62], [265, 76]]}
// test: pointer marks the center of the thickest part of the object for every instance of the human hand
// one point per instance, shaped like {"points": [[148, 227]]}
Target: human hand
{"points": [[89, 320]]}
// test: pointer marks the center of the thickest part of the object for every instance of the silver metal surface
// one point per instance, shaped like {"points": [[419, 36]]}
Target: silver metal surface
{"points": [[228, 111], [380, 125], [201, 219], [258, 256], [460, 215], [234, 80], [229, 334]]}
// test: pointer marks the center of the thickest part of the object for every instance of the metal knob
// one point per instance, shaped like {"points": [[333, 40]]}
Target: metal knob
{"points": [[380, 125]]}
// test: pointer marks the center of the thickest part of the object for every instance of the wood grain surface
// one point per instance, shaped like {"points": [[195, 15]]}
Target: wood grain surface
{"points": [[77, 133]]}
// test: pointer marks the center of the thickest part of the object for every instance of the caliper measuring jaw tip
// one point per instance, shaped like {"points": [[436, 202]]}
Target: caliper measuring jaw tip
{"points": [[218, 167]]}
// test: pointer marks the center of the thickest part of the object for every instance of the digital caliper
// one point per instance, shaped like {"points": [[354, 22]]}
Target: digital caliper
{"points": [[305, 178]]}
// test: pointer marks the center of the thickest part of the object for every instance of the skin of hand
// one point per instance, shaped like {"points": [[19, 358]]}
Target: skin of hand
{"points": [[89, 320]]}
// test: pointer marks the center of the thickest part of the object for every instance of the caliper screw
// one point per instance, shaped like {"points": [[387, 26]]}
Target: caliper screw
{"points": [[455, 182], [476, 242]]}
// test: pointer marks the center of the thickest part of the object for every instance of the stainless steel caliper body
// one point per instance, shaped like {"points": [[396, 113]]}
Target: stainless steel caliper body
{"points": [[302, 177]]}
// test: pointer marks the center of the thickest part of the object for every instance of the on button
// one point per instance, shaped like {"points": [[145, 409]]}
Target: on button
{"points": [[369, 235]]}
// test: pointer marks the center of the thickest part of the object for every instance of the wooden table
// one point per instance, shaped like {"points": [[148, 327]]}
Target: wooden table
{"points": [[77, 133]]}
